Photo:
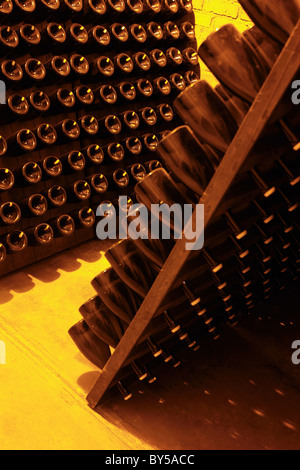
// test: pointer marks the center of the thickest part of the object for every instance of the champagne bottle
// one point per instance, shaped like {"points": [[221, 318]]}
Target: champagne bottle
{"points": [[84, 95], [79, 64], [11, 71], [10, 213], [56, 195], [40, 235], [17, 105], [7, 179], [39, 101], [94, 154], [22, 141], [52, 167], [9, 39], [34, 205], [16, 241]]}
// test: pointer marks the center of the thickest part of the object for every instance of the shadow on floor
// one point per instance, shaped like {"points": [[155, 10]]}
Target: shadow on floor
{"points": [[242, 392], [47, 271]]}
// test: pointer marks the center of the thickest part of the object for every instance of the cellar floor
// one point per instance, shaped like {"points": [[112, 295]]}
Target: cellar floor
{"points": [[242, 392]]}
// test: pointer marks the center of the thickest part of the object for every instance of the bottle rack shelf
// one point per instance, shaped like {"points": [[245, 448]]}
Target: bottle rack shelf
{"points": [[216, 199], [117, 15]]}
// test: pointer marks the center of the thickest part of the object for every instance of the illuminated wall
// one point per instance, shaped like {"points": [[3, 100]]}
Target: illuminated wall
{"points": [[211, 15]]}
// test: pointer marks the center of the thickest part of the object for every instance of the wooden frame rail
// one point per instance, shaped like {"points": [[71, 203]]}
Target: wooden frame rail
{"points": [[276, 84]]}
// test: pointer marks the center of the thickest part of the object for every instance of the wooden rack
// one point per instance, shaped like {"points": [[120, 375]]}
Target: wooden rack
{"points": [[233, 163]]}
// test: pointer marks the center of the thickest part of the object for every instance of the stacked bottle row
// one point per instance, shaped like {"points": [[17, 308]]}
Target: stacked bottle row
{"points": [[89, 91], [251, 248]]}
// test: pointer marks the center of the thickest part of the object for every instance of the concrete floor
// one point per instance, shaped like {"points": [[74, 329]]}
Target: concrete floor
{"points": [[242, 392]]}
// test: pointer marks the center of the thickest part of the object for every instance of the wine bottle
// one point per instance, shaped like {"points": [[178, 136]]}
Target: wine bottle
{"points": [[135, 7], [67, 130], [78, 191], [53, 35], [126, 91], [3, 253], [98, 183], [22, 141], [46, 135], [99, 35], [24, 7], [7, 179], [148, 116], [131, 119], [158, 58], [62, 99], [136, 172], [78, 35], [94, 154], [30, 173], [116, 7], [170, 7], [84, 95], [152, 7], [107, 94], [6, 7], [29, 36], [63, 226], [133, 145], [150, 142], [79, 65], [73, 161], [3, 146], [142, 62], [155, 32], [165, 112], [9, 39], [191, 77], [40, 235], [56, 195], [58, 67], [11, 71], [177, 82], [17, 105], [111, 124], [123, 63], [35, 70], [171, 31], [174, 56], [52, 167], [115, 151], [138, 33], [162, 86], [190, 56], [103, 66], [39, 101], [187, 31], [83, 218], [152, 165], [16, 241], [120, 179], [34, 205], [119, 34], [95, 9], [71, 7], [144, 87], [10, 213], [89, 125]]}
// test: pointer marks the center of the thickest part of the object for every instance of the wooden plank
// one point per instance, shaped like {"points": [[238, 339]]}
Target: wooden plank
{"points": [[266, 101]]}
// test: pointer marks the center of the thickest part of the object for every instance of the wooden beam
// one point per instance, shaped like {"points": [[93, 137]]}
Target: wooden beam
{"points": [[266, 101]]}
